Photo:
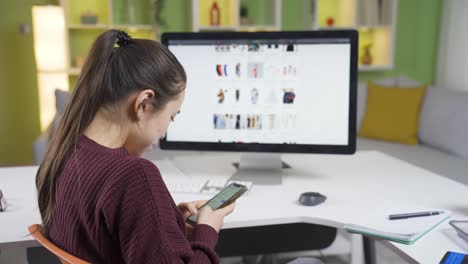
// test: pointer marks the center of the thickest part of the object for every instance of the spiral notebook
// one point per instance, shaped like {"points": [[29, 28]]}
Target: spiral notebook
{"points": [[405, 231]]}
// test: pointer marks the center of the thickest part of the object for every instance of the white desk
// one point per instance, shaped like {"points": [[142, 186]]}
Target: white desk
{"points": [[353, 184]]}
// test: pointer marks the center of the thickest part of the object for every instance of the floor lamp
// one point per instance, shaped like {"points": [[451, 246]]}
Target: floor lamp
{"points": [[50, 49]]}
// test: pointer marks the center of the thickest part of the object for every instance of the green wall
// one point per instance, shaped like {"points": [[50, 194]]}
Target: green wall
{"points": [[415, 55]]}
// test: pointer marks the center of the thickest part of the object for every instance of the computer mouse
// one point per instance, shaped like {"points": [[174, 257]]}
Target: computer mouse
{"points": [[311, 198]]}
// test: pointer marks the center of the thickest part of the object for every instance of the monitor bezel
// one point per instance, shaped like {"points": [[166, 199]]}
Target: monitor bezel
{"points": [[350, 148]]}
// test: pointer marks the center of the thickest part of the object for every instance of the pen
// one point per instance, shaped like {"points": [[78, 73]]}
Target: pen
{"points": [[410, 215]]}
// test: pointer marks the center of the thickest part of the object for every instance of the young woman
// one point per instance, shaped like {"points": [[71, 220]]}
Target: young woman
{"points": [[99, 200]]}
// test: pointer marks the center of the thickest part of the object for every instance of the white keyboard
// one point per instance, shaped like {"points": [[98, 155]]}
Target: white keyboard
{"points": [[192, 185], [211, 186]]}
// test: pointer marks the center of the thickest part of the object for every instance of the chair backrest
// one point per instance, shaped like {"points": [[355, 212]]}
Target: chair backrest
{"points": [[37, 232]]}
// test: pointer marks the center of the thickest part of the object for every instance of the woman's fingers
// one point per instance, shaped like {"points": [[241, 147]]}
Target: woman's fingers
{"points": [[192, 208], [189, 208], [227, 209], [199, 203]]}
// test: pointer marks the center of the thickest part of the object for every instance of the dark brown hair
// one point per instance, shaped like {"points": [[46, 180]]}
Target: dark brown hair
{"points": [[117, 66]]}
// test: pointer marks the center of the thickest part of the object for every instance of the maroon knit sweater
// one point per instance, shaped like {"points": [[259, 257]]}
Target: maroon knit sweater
{"points": [[112, 207]]}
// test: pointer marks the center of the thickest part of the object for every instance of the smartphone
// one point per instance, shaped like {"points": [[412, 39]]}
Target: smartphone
{"points": [[454, 258], [225, 197]]}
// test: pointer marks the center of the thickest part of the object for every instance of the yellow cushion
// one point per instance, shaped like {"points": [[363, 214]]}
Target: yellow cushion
{"points": [[392, 113]]}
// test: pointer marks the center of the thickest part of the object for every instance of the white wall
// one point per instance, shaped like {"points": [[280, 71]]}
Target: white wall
{"points": [[452, 63]]}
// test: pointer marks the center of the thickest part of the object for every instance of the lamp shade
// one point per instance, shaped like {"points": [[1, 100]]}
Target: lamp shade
{"points": [[50, 49], [49, 34]]}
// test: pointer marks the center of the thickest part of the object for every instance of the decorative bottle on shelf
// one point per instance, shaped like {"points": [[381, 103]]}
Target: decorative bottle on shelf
{"points": [[366, 58], [215, 14]]}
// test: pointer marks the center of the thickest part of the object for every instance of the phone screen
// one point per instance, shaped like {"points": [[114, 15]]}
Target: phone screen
{"points": [[223, 198]]}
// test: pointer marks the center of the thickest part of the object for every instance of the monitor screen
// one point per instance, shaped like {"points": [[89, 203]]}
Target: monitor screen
{"points": [[266, 92]]}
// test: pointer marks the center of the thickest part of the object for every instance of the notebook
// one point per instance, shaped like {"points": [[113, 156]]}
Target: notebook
{"points": [[405, 231]]}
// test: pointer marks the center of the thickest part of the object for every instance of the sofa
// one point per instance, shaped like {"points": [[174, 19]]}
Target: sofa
{"points": [[40, 144], [442, 132]]}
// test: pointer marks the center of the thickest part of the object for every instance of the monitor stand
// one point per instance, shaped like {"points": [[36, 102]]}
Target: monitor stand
{"points": [[260, 169]]}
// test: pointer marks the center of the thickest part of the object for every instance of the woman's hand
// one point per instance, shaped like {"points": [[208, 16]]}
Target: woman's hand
{"points": [[206, 215], [190, 208], [214, 218]]}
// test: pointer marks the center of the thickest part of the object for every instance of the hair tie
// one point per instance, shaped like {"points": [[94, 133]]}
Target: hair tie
{"points": [[123, 38]]}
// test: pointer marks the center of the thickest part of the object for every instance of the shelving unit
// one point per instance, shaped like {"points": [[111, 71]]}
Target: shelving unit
{"points": [[375, 21], [81, 26], [133, 16], [267, 18], [217, 28], [376, 25]]}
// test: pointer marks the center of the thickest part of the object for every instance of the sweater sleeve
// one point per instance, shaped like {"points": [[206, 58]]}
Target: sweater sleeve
{"points": [[145, 224]]}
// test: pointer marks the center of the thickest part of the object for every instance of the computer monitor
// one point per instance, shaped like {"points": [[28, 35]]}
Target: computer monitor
{"points": [[266, 92]]}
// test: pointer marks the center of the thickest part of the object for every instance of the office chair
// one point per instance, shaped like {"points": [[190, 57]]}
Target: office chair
{"points": [[66, 258]]}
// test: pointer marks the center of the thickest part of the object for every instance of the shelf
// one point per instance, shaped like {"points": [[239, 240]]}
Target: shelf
{"points": [[377, 42], [219, 28], [362, 27], [374, 20], [75, 8], [374, 67], [89, 26], [335, 28], [341, 12], [259, 15], [131, 12], [74, 71], [258, 28], [227, 14], [373, 12], [133, 16], [134, 27], [104, 26]]}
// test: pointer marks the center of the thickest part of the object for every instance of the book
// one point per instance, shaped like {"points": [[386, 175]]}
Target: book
{"points": [[405, 231]]}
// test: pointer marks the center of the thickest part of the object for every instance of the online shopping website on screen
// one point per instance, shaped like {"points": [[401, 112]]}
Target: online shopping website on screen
{"points": [[264, 92]]}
